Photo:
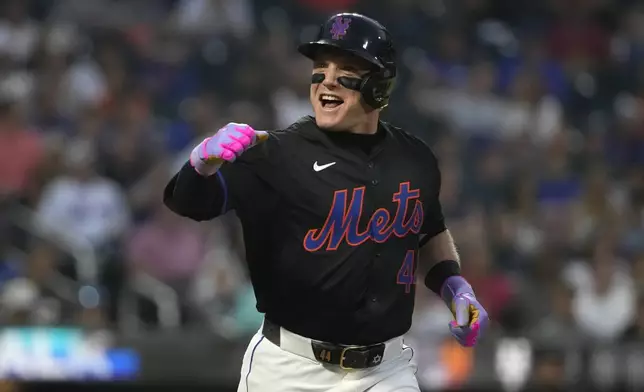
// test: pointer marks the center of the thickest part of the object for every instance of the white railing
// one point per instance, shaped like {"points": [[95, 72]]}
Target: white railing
{"points": [[164, 297], [87, 265], [82, 252]]}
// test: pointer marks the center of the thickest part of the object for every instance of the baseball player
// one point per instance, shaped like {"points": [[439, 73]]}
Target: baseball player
{"points": [[340, 215]]}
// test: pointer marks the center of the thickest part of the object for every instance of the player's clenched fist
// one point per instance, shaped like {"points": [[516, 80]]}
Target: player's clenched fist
{"points": [[470, 318], [225, 146]]}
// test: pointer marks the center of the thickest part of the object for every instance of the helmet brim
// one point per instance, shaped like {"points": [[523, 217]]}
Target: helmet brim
{"points": [[311, 49]]}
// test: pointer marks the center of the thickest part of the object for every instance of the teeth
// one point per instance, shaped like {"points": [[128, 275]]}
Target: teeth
{"points": [[327, 97]]}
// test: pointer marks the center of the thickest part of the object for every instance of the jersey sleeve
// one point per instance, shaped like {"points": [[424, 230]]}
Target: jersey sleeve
{"points": [[232, 187], [434, 222], [246, 179]]}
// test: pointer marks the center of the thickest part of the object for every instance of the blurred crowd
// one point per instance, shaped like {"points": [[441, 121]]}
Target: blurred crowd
{"points": [[535, 109]]}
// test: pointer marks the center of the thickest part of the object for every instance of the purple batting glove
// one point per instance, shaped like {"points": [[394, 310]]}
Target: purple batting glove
{"points": [[470, 318], [225, 146]]}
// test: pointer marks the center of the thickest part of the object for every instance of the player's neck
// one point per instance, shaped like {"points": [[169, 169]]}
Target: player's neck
{"points": [[368, 127]]}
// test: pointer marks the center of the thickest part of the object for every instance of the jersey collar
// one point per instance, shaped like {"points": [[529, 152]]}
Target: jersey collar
{"points": [[308, 128]]}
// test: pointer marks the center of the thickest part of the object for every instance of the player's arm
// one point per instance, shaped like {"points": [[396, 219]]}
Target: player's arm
{"points": [[204, 187], [440, 266], [436, 242], [194, 196]]}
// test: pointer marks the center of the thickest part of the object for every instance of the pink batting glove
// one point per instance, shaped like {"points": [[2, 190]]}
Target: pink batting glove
{"points": [[225, 146]]}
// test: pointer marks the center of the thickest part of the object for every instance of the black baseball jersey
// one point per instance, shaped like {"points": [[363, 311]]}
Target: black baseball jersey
{"points": [[332, 224]]}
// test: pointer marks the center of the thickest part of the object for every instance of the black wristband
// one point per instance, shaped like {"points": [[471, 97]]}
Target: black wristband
{"points": [[439, 274]]}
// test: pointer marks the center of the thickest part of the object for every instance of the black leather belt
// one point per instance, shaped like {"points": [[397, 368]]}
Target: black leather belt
{"points": [[347, 357]]}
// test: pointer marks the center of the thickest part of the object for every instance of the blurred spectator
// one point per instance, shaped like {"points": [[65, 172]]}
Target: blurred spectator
{"points": [[549, 372], [531, 110], [493, 288], [84, 84], [558, 189], [605, 298], [635, 332], [18, 34], [559, 326], [539, 276], [21, 152], [576, 34], [519, 227], [474, 109], [33, 297], [130, 145], [451, 58], [168, 248], [534, 56], [90, 209], [18, 297], [489, 181], [221, 16]]}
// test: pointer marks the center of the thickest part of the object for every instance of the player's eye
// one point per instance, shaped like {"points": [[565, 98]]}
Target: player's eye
{"points": [[353, 72], [319, 65]]}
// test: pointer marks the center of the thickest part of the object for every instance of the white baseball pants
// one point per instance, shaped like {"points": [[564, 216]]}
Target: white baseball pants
{"points": [[293, 368]]}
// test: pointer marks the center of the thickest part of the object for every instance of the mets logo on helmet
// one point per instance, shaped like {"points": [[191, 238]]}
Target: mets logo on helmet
{"points": [[340, 27]]}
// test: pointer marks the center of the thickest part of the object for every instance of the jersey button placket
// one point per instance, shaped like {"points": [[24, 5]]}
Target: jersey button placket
{"points": [[373, 173], [376, 258]]}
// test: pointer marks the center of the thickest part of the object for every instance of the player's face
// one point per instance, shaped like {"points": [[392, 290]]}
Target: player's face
{"points": [[336, 107]]}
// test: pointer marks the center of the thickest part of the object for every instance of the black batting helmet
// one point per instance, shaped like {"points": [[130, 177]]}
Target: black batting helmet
{"points": [[366, 38]]}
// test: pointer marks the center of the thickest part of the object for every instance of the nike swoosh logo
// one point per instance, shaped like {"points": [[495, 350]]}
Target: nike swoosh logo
{"points": [[318, 168]]}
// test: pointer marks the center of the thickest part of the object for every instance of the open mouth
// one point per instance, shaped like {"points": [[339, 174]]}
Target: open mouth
{"points": [[330, 101]]}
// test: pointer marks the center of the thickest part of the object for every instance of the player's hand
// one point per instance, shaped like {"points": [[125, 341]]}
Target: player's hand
{"points": [[470, 319], [225, 146]]}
